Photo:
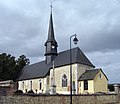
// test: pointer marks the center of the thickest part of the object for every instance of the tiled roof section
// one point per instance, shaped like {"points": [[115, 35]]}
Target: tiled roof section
{"points": [[89, 74], [78, 56], [36, 70]]}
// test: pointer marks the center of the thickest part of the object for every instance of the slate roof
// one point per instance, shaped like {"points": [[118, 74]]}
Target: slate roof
{"points": [[41, 69], [36, 70], [78, 56], [90, 74]]}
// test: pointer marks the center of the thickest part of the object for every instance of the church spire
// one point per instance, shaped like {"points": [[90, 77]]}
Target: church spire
{"points": [[51, 44], [51, 28]]}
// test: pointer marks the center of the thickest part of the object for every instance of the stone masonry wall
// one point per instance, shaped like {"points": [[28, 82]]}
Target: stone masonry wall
{"points": [[60, 99]]}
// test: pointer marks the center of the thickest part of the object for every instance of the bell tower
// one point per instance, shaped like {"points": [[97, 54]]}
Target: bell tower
{"points": [[50, 44]]}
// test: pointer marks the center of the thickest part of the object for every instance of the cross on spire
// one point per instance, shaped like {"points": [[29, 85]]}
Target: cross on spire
{"points": [[51, 7]]}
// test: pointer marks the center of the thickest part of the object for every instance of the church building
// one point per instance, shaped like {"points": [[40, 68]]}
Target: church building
{"points": [[52, 75]]}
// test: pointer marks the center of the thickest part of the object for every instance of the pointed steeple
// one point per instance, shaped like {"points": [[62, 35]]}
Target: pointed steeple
{"points": [[51, 44], [51, 36]]}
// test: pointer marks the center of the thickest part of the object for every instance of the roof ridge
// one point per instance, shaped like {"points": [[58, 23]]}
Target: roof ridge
{"points": [[92, 69], [69, 49]]}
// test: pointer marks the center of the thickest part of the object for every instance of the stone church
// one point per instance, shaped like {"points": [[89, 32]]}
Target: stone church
{"points": [[52, 75]]}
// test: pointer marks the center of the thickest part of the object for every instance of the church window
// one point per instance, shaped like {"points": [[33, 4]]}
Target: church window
{"points": [[85, 84], [80, 84], [100, 76], [23, 85], [30, 85], [47, 80], [73, 85], [64, 80], [40, 85], [52, 81]]}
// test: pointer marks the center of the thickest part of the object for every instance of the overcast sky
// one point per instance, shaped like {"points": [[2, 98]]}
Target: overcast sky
{"points": [[24, 27]]}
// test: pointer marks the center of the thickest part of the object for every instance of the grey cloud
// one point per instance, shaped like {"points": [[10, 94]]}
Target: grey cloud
{"points": [[20, 34], [103, 41]]}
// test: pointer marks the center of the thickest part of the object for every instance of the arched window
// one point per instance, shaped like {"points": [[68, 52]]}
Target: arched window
{"points": [[64, 80]]}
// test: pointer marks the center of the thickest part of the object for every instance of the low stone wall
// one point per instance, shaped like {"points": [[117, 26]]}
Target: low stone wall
{"points": [[60, 99], [7, 88]]}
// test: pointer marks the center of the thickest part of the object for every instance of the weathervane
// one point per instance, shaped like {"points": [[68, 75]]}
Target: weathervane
{"points": [[51, 7]]}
